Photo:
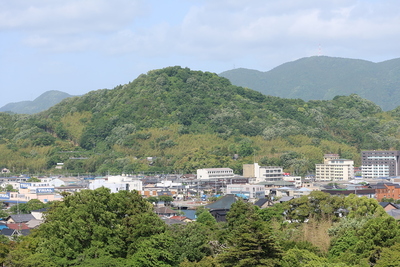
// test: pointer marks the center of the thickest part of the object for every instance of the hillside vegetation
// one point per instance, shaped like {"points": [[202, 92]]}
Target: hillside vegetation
{"points": [[186, 120], [323, 78]]}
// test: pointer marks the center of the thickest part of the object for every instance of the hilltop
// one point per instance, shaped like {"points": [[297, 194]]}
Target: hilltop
{"points": [[41, 103], [323, 78]]}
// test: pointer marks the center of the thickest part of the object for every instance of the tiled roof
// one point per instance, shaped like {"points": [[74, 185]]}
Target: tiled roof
{"points": [[20, 218], [164, 210], [223, 203], [17, 226], [7, 232], [261, 202]]}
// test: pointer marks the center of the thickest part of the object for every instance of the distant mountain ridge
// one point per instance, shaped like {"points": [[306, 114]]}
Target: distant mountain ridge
{"points": [[41, 103], [322, 78]]}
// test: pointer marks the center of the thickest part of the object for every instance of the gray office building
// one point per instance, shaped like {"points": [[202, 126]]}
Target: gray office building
{"points": [[380, 163]]}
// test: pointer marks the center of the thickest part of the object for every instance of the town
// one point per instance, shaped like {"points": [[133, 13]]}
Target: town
{"points": [[176, 197]]}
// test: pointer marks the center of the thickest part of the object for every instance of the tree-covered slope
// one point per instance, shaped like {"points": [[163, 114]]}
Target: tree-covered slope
{"points": [[322, 78], [186, 120], [41, 103]]}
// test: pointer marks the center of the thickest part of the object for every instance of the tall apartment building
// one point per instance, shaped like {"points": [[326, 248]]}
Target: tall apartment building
{"points": [[380, 163], [334, 169], [262, 173]]}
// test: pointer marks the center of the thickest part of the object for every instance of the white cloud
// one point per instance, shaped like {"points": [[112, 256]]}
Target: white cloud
{"points": [[211, 29]]}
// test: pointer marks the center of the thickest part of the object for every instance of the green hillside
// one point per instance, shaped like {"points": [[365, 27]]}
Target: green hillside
{"points": [[41, 103], [322, 78], [185, 120]]}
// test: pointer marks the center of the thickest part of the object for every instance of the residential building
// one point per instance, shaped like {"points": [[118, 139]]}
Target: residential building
{"points": [[262, 173], [387, 190], [215, 173], [380, 163], [334, 169]]}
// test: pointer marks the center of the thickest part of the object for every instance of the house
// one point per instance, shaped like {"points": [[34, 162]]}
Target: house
{"points": [[263, 203], [389, 206], [38, 214], [220, 208], [19, 218], [34, 223], [387, 190], [9, 232], [165, 211], [181, 218], [18, 226]]}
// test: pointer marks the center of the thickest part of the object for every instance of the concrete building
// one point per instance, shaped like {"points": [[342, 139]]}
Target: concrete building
{"points": [[294, 179], [117, 183], [215, 173], [247, 190], [382, 163], [334, 169], [262, 173]]}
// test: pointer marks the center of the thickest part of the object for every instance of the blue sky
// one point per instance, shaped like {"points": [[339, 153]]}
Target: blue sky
{"points": [[77, 46]]}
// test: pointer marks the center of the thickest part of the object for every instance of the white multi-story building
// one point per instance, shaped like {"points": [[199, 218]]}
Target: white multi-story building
{"points": [[262, 173], [117, 183], [295, 179], [215, 173], [383, 163], [247, 190], [334, 169]]}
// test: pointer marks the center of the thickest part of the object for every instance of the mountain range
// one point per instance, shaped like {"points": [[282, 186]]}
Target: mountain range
{"points": [[323, 78], [184, 120], [41, 103]]}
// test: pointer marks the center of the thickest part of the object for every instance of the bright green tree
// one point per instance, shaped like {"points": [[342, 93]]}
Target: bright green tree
{"points": [[92, 224]]}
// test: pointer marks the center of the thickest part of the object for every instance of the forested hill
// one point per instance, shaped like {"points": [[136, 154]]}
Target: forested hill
{"points": [[41, 103], [186, 120], [323, 78]]}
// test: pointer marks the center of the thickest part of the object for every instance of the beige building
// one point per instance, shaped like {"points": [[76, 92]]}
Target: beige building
{"points": [[334, 169], [262, 173]]}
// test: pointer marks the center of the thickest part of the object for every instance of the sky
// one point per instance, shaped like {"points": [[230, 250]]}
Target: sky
{"points": [[77, 46]]}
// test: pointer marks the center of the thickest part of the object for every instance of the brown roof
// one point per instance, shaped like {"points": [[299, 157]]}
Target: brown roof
{"points": [[17, 226], [164, 210]]}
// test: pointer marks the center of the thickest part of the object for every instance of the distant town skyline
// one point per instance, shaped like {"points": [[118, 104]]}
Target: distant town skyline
{"points": [[79, 46]]}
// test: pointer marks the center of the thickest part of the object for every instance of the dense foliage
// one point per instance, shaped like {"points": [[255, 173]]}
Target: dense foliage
{"points": [[185, 120], [99, 228]]}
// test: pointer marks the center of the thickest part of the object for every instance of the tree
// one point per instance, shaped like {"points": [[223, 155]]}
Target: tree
{"points": [[251, 245], [166, 199], [33, 204], [154, 251], [301, 257], [94, 224], [206, 219], [250, 241], [191, 241]]}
